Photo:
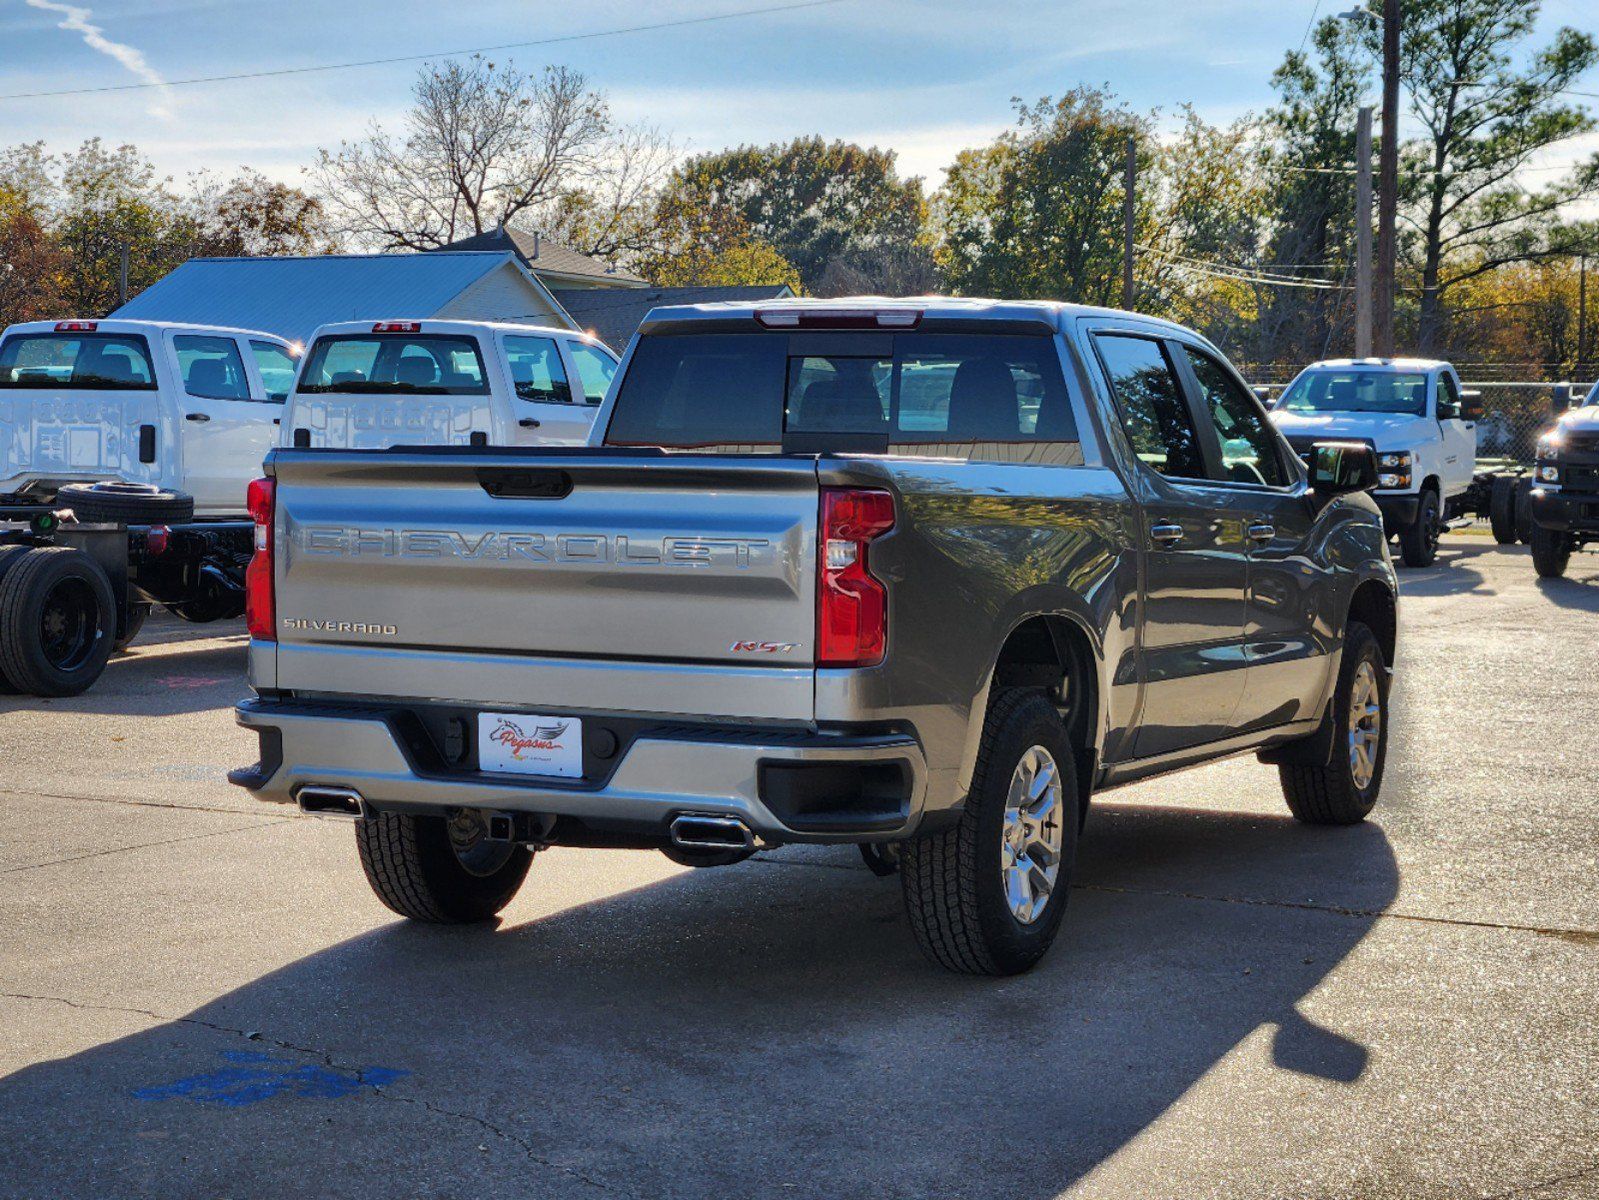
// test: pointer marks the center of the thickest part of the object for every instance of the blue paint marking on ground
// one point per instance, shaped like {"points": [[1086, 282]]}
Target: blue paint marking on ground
{"points": [[253, 1076]]}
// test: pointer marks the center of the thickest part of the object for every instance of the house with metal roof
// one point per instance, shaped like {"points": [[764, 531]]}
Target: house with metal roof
{"points": [[557, 265], [292, 295]]}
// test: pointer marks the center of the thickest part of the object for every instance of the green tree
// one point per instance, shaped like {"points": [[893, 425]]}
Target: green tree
{"points": [[1037, 214], [699, 247], [814, 201], [32, 266], [253, 215], [1487, 106]]}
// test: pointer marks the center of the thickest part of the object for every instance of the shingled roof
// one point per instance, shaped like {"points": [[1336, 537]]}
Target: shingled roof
{"points": [[616, 315], [547, 258]]}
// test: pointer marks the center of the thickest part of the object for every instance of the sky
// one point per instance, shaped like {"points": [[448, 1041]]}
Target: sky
{"points": [[925, 78]]}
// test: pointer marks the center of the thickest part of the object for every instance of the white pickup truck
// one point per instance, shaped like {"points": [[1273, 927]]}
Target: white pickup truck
{"points": [[369, 385], [1419, 420]]}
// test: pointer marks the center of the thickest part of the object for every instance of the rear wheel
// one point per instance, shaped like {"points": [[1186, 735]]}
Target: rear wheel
{"points": [[8, 555], [441, 870], [1418, 541], [1502, 510], [986, 897], [58, 620], [133, 619], [1523, 510], [125, 503], [1345, 790], [1551, 551]]}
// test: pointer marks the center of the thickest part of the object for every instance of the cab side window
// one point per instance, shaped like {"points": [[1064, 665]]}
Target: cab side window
{"points": [[211, 367], [536, 370], [595, 370], [1448, 398], [1249, 451], [1153, 412], [277, 369]]}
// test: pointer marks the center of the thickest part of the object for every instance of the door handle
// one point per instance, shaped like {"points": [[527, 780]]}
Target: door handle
{"points": [[196, 416], [529, 422], [1166, 535], [1262, 533]]}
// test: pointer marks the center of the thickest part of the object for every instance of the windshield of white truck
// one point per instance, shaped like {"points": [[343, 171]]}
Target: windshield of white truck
{"points": [[1399, 392], [90, 361], [999, 396], [425, 364]]}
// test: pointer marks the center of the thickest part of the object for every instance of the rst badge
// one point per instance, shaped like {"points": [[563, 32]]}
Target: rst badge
{"points": [[763, 647], [529, 744]]}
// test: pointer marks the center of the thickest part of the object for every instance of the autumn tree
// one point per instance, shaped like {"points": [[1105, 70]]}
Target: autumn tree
{"points": [[253, 215], [32, 265], [696, 246]]}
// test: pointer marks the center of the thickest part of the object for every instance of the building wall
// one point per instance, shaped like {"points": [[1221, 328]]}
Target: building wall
{"points": [[503, 294]]}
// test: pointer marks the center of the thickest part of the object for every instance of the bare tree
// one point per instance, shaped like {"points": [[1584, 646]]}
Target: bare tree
{"points": [[611, 211], [482, 144]]}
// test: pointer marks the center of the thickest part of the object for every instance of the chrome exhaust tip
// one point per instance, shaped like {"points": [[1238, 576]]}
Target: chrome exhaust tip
{"points": [[709, 832], [321, 800]]}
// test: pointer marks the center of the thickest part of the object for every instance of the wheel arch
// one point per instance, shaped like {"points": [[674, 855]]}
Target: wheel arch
{"points": [[1053, 653], [1375, 605]]}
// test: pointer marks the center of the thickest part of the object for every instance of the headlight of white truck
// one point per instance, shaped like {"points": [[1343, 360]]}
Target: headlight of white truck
{"points": [[1394, 466]]}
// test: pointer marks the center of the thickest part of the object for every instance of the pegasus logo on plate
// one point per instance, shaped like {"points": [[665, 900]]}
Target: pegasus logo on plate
{"points": [[519, 741], [763, 647]]}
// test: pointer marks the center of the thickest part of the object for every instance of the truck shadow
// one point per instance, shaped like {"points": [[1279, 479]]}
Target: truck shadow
{"points": [[763, 1030], [1455, 572], [1579, 588]]}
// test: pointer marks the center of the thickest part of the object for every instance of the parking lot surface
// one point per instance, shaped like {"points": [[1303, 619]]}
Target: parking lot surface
{"points": [[200, 997]]}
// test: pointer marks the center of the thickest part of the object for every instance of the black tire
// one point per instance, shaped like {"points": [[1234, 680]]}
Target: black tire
{"points": [[1502, 510], [413, 867], [1418, 541], [8, 555], [1330, 795], [125, 503], [953, 882], [1551, 551], [58, 620], [1524, 523], [133, 619]]}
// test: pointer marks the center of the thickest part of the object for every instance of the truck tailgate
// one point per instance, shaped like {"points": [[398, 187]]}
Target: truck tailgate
{"points": [[580, 579]]}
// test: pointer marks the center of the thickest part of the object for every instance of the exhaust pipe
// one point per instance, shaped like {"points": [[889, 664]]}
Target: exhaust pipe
{"points": [[702, 832], [320, 800]]}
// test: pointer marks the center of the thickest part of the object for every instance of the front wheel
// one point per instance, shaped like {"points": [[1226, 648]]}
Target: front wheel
{"points": [[1418, 541], [986, 897], [440, 870], [1551, 551], [1345, 790]]}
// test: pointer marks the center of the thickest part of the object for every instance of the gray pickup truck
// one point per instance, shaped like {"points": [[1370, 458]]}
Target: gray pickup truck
{"points": [[915, 575]]}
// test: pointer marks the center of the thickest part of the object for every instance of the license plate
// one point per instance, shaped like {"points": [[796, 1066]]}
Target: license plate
{"points": [[530, 744]]}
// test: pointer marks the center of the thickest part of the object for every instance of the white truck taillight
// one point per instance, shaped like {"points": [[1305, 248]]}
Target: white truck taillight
{"points": [[851, 603], [260, 613]]}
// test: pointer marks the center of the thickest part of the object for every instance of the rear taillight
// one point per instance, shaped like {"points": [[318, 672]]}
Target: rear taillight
{"points": [[397, 327], [839, 318], [77, 326], [259, 608], [852, 604]]}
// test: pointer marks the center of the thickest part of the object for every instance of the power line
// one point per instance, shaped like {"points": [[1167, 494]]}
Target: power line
{"points": [[407, 58], [1238, 274]]}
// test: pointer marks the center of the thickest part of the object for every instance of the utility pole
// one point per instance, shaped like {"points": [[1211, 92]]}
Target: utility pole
{"points": [[1129, 190], [1363, 233], [122, 274], [1582, 314], [1388, 184]]}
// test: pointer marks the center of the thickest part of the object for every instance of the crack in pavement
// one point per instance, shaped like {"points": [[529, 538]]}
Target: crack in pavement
{"points": [[26, 794], [327, 1060], [1530, 1189], [191, 837]]}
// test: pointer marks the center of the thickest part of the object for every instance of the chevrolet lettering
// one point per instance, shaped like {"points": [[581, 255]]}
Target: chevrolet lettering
{"points": [[621, 549]]}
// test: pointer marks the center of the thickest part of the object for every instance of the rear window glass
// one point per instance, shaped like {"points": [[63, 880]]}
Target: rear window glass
{"points": [[964, 395], [419, 363], [91, 361]]}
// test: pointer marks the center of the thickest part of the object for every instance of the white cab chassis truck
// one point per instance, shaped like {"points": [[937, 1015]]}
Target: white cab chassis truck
{"points": [[126, 449], [1420, 422], [371, 385]]}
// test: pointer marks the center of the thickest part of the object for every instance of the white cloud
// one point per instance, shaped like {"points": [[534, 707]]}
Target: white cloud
{"points": [[76, 20]]}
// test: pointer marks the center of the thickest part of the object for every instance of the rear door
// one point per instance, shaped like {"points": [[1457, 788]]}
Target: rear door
{"points": [[79, 403], [227, 420], [1195, 550], [547, 409]]}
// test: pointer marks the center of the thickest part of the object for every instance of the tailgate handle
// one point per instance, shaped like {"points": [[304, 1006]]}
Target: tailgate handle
{"points": [[522, 484]]}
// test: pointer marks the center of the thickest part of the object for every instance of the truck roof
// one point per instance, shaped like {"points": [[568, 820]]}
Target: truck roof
{"points": [[429, 325], [1382, 364], [125, 325], [1054, 313]]}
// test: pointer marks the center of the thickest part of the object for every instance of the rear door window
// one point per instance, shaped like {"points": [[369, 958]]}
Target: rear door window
{"points": [[1154, 414], [536, 370], [211, 367], [276, 365], [424, 364], [993, 396], [85, 361], [595, 370]]}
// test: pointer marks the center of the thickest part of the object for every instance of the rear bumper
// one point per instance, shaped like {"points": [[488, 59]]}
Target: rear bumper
{"points": [[1566, 511], [786, 785]]}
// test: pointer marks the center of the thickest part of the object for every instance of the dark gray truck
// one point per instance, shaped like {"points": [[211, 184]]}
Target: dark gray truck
{"points": [[917, 575]]}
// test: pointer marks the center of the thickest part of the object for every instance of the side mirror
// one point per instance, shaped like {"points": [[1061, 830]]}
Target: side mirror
{"points": [[1471, 408], [1339, 468], [1263, 394]]}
